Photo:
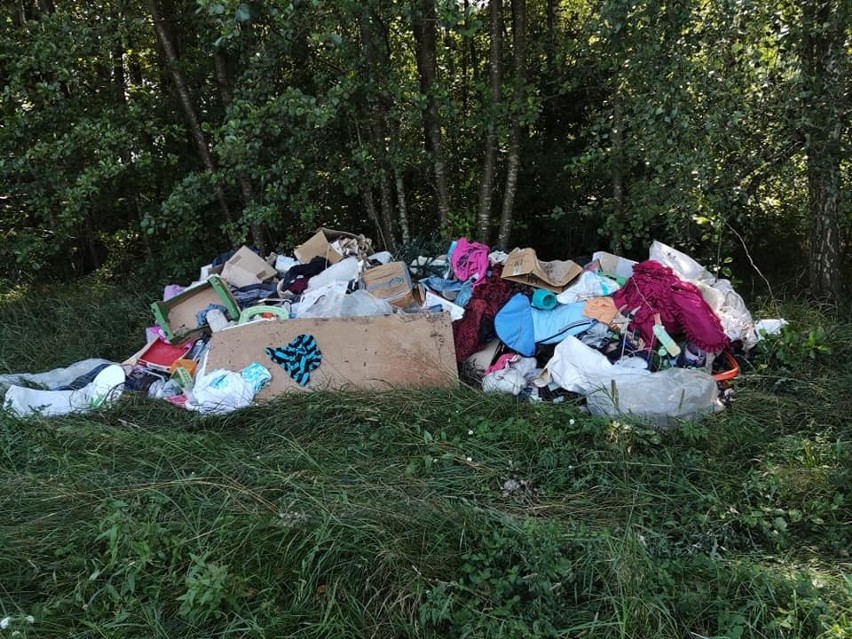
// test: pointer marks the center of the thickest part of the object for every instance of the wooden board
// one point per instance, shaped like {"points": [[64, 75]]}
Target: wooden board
{"points": [[357, 352]]}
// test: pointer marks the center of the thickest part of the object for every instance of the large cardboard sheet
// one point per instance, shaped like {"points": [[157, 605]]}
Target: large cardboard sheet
{"points": [[357, 352]]}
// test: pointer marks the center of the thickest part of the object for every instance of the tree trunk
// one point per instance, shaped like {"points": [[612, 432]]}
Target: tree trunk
{"points": [[201, 145], [519, 42], [425, 37], [825, 243], [223, 79], [467, 62], [403, 208], [824, 60], [118, 77], [378, 123], [549, 115], [617, 173], [370, 206], [385, 196], [483, 227]]}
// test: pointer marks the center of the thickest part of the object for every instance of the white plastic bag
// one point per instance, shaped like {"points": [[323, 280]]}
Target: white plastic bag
{"points": [[105, 389], [220, 391], [344, 271], [581, 369], [731, 310], [513, 379], [338, 303], [588, 285], [56, 377], [613, 389], [684, 393], [684, 266]]}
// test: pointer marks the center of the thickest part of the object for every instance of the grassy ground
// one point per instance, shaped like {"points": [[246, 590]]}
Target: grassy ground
{"points": [[389, 515]]}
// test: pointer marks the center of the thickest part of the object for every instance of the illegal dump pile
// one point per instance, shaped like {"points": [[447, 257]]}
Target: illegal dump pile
{"points": [[656, 339]]}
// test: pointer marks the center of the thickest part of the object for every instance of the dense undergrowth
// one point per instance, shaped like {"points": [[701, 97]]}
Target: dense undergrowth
{"points": [[427, 514]]}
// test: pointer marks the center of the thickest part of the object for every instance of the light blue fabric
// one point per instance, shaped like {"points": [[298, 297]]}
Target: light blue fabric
{"points": [[463, 290], [520, 326], [514, 325], [551, 327]]}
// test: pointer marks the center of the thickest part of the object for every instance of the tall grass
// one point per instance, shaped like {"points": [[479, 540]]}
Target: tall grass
{"points": [[390, 515]]}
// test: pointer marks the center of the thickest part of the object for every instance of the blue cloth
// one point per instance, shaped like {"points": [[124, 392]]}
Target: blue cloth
{"points": [[256, 376], [520, 326], [514, 325], [249, 295], [463, 290], [553, 326], [298, 358], [201, 316]]}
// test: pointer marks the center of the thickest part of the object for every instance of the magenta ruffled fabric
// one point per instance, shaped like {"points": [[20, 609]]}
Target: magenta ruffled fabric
{"points": [[469, 259], [654, 288]]}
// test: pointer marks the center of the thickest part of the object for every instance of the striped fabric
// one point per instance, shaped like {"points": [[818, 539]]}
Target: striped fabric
{"points": [[298, 358]]}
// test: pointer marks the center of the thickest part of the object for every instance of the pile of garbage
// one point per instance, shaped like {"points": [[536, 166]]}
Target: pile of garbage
{"points": [[654, 339]]}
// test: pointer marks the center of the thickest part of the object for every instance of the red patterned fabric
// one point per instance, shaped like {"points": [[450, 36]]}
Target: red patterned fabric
{"points": [[472, 331], [654, 288]]}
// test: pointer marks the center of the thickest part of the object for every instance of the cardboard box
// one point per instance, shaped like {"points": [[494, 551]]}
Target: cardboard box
{"points": [[177, 316], [524, 267], [246, 267], [392, 283], [381, 352], [618, 267], [319, 245]]}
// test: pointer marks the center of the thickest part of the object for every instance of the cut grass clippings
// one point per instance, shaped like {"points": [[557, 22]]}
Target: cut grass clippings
{"points": [[421, 513]]}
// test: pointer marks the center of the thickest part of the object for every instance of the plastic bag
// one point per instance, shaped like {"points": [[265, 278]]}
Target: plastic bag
{"points": [[684, 393], [105, 389], [337, 303], [612, 389], [344, 271], [512, 379], [684, 266], [581, 369], [586, 286], [56, 377], [220, 391]]}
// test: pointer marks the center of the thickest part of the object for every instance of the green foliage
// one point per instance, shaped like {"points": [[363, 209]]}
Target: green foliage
{"points": [[509, 583], [719, 102], [793, 348]]}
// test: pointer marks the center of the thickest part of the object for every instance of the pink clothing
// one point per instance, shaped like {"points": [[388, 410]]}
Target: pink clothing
{"points": [[469, 259], [654, 288], [502, 362]]}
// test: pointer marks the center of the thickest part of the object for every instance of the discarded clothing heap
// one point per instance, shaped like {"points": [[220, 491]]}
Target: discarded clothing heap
{"points": [[645, 339], [651, 339]]}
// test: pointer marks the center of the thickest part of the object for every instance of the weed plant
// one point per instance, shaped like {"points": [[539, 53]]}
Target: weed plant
{"points": [[422, 513]]}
